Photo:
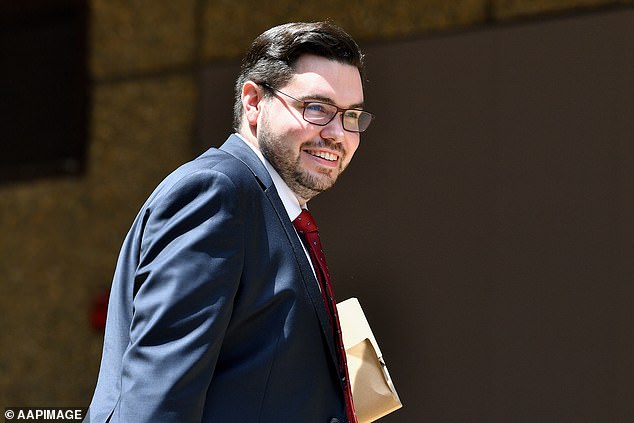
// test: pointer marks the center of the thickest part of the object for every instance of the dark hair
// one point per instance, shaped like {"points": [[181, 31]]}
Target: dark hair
{"points": [[272, 55]]}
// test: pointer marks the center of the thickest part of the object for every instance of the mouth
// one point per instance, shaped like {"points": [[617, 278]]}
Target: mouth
{"points": [[325, 155]]}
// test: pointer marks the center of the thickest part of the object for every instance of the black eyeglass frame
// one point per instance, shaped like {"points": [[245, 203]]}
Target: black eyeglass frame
{"points": [[339, 110]]}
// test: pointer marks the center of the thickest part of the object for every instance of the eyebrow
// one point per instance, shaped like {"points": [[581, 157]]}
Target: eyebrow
{"points": [[328, 100]]}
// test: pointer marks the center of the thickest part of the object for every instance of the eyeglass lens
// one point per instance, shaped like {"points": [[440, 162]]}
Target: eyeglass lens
{"points": [[322, 113]]}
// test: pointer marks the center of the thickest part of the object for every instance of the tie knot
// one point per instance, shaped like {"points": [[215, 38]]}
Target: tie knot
{"points": [[305, 222]]}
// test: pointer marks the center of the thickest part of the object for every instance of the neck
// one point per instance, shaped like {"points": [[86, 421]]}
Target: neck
{"points": [[249, 135], [302, 202]]}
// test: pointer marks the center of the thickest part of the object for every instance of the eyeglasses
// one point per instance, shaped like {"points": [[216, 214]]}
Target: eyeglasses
{"points": [[321, 113]]}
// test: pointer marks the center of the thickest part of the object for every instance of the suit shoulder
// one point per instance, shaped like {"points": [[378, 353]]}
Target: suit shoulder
{"points": [[215, 172]]}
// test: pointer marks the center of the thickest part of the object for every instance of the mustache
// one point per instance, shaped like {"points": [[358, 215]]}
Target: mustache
{"points": [[322, 143]]}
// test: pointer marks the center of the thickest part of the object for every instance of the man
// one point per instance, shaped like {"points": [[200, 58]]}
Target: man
{"points": [[215, 312]]}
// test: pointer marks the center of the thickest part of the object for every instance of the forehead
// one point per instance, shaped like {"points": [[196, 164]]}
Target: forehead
{"points": [[325, 78]]}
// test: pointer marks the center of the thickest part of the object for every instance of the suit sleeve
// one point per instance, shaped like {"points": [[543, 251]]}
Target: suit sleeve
{"points": [[190, 263]]}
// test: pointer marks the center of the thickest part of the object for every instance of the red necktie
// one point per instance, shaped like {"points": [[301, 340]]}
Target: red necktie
{"points": [[307, 230]]}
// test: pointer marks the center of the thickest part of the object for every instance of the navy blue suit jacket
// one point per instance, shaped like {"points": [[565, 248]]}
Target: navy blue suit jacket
{"points": [[215, 314]]}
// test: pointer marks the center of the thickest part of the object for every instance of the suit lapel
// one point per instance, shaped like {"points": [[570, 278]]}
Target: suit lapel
{"points": [[237, 148]]}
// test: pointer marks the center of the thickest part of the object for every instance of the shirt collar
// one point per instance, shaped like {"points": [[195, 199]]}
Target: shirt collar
{"points": [[291, 203]]}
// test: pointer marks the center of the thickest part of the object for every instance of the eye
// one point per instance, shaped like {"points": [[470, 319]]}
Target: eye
{"points": [[352, 114], [317, 108], [351, 117]]}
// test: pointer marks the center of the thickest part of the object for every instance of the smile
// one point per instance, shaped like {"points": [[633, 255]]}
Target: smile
{"points": [[324, 155]]}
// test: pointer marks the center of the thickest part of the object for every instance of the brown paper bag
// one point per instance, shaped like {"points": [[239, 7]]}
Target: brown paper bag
{"points": [[372, 388]]}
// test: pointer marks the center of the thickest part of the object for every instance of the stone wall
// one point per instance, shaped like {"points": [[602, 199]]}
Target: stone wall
{"points": [[60, 237]]}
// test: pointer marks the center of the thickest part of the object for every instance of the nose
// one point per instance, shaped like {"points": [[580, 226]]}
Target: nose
{"points": [[334, 129]]}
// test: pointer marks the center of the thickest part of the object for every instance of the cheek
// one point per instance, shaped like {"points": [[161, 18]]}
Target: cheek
{"points": [[352, 146], [281, 120], [294, 131]]}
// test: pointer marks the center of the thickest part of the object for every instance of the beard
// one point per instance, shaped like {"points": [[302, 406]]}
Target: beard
{"points": [[287, 163]]}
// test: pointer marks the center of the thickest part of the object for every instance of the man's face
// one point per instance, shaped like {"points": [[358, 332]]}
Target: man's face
{"points": [[310, 157]]}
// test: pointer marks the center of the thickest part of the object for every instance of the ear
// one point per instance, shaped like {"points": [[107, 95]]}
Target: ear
{"points": [[251, 97]]}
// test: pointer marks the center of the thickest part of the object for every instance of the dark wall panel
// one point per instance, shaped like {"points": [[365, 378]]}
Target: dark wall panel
{"points": [[486, 223], [43, 88]]}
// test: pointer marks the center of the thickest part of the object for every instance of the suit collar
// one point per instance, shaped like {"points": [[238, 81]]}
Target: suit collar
{"points": [[288, 197], [237, 147]]}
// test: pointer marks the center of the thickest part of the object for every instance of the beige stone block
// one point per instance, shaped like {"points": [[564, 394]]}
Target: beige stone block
{"points": [[229, 26], [380, 20], [140, 36], [46, 279], [512, 9], [60, 238], [141, 130]]}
